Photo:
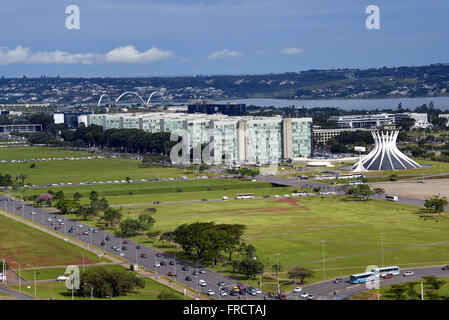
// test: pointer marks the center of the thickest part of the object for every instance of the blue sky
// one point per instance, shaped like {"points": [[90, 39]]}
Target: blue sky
{"points": [[169, 38]]}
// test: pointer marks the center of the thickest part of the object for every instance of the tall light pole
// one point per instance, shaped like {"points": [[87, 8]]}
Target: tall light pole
{"points": [[277, 271], [324, 260], [382, 241], [91, 290]]}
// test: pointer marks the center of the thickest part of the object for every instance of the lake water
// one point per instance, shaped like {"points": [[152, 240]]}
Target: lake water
{"points": [[350, 104]]}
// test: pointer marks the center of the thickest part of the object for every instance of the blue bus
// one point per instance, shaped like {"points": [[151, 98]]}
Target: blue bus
{"points": [[362, 277], [355, 182]]}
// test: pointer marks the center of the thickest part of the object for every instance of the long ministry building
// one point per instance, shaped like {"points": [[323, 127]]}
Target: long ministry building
{"points": [[241, 139]]}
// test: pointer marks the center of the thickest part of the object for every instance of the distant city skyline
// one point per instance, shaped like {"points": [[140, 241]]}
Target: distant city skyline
{"points": [[138, 38]]}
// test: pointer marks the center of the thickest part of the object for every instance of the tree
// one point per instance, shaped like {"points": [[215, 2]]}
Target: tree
{"points": [[250, 267], [108, 282], [23, 177], [434, 282], [168, 236], [361, 190], [407, 123], [93, 195], [398, 290], [112, 216], [436, 203], [67, 206], [128, 179], [77, 196], [130, 228], [300, 273]]}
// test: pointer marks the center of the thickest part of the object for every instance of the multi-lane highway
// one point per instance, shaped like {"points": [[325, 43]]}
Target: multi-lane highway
{"points": [[128, 250]]}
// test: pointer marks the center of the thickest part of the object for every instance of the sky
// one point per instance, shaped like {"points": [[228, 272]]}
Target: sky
{"points": [[146, 38]]}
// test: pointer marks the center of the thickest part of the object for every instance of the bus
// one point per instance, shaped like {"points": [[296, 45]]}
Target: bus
{"points": [[245, 196], [390, 197], [362, 277], [394, 270], [355, 182]]}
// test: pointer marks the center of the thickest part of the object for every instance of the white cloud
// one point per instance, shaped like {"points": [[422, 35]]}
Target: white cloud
{"points": [[292, 50], [185, 60], [225, 53], [122, 55]]}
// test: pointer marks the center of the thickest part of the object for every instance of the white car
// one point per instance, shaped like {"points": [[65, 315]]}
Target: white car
{"points": [[304, 295], [297, 290], [61, 278], [276, 196], [408, 273], [210, 292], [225, 198], [224, 293], [202, 271], [258, 291], [157, 264]]}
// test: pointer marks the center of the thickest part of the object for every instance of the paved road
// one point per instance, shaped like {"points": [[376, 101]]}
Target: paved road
{"points": [[18, 295]]}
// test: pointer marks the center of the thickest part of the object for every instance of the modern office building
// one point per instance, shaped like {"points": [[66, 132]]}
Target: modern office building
{"points": [[230, 109], [445, 116], [324, 135], [71, 119], [376, 121], [20, 128], [233, 139]]}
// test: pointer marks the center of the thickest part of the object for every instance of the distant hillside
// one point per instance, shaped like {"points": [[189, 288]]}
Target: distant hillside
{"points": [[432, 80]]}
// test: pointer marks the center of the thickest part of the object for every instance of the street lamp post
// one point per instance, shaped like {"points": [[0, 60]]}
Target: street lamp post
{"points": [[324, 260], [91, 290], [277, 271]]}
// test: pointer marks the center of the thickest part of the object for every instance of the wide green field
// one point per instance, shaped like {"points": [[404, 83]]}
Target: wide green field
{"points": [[166, 191], [351, 231], [28, 246], [28, 153], [58, 290], [53, 273], [50, 172]]}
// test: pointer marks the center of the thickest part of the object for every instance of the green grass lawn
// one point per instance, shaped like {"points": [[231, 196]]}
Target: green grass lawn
{"points": [[167, 191], [351, 230], [386, 294], [53, 273], [28, 153], [50, 172], [28, 246], [58, 290]]}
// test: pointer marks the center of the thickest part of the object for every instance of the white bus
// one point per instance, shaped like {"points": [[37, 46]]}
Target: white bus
{"points": [[394, 270], [245, 196], [391, 198]]}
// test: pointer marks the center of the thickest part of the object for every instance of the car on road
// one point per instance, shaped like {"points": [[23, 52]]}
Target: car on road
{"points": [[297, 290], [202, 271], [204, 200], [158, 254], [156, 202], [163, 263], [188, 278], [171, 274], [203, 284], [157, 264], [338, 280], [195, 273], [61, 278], [102, 243], [408, 273], [233, 293], [266, 196], [311, 296], [220, 283], [138, 247], [172, 263], [125, 242], [223, 293], [143, 255], [282, 296], [125, 248], [388, 276], [33, 213], [86, 233], [210, 292], [79, 234], [445, 267], [304, 295], [107, 239]]}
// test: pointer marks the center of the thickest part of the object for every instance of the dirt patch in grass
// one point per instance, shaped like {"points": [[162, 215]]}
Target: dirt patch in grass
{"points": [[292, 202]]}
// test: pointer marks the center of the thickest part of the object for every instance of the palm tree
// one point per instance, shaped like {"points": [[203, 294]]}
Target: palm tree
{"points": [[23, 177]]}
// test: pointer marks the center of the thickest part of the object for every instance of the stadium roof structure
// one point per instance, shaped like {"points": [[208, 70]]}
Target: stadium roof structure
{"points": [[385, 155]]}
